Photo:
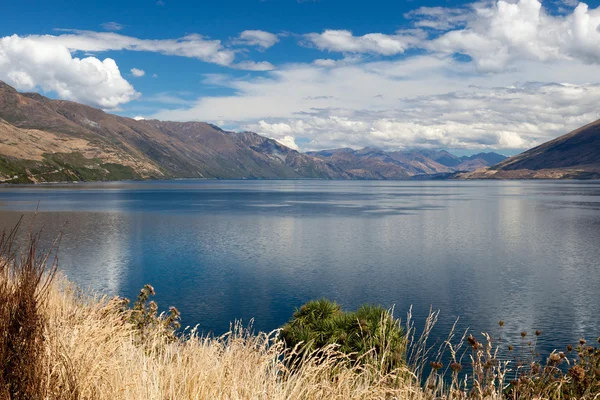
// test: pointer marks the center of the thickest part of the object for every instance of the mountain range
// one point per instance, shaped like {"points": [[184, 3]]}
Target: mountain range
{"points": [[46, 140], [370, 163]]}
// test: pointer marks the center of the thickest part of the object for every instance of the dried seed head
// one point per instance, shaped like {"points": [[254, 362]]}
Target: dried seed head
{"points": [[538, 332], [523, 334], [554, 358], [501, 323], [435, 365], [577, 373], [582, 341], [456, 367], [570, 348], [510, 347], [472, 342]]}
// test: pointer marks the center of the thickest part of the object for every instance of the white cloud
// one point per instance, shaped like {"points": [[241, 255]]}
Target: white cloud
{"points": [[485, 118], [191, 46], [254, 66], [424, 101], [288, 141], [329, 63], [112, 26], [494, 34], [508, 32], [325, 62], [137, 72], [377, 43], [257, 38], [429, 98], [439, 18], [27, 64]]}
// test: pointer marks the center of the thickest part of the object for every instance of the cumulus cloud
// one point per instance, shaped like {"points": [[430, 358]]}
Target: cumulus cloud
{"points": [[506, 32], [137, 72], [376, 43], [257, 38], [27, 64], [48, 62], [494, 35]]}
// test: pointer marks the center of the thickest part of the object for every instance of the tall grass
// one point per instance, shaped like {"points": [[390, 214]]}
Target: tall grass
{"points": [[24, 284], [57, 342]]}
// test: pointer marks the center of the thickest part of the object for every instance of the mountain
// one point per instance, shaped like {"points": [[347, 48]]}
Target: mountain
{"points": [[479, 160], [364, 164], [489, 158], [370, 163], [574, 155], [442, 157], [44, 140], [54, 140]]}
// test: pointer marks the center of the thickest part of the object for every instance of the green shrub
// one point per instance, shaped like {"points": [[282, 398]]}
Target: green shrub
{"points": [[369, 335], [145, 318]]}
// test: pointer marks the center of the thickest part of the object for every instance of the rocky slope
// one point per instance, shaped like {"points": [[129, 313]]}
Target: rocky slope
{"points": [[53, 140], [575, 155]]}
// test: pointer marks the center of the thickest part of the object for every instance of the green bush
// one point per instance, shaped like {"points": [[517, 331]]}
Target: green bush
{"points": [[369, 335]]}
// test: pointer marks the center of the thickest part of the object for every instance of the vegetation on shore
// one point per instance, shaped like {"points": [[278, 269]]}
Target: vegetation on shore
{"points": [[57, 342], [371, 335]]}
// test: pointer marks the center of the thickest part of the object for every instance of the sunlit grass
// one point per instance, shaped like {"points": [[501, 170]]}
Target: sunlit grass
{"points": [[57, 342]]}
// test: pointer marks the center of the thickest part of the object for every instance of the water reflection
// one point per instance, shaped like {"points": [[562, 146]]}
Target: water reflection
{"points": [[523, 252]]}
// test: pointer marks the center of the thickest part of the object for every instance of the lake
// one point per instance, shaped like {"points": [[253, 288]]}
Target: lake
{"points": [[526, 252]]}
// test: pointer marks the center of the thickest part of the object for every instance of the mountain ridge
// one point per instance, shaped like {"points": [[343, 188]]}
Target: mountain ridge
{"points": [[575, 155], [85, 143], [46, 140]]}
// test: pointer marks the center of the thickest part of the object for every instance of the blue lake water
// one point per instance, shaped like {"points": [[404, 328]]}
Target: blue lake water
{"points": [[524, 252]]}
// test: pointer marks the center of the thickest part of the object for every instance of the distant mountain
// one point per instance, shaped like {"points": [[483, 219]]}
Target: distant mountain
{"points": [[479, 160], [574, 155], [52, 140], [364, 164], [442, 157], [489, 158], [370, 163]]}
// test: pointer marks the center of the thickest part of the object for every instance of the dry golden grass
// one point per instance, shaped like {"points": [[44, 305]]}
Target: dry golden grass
{"points": [[57, 342], [94, 353]]}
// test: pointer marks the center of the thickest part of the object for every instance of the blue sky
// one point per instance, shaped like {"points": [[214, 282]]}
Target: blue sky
{"points": [[464, 76]]}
